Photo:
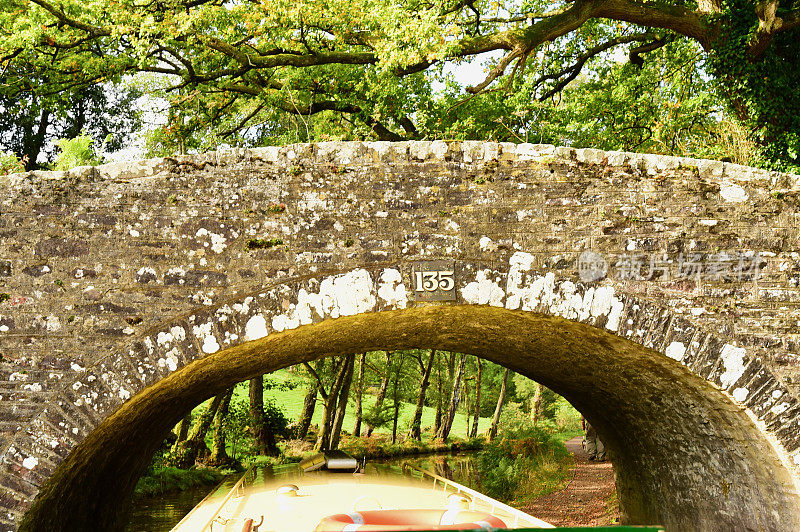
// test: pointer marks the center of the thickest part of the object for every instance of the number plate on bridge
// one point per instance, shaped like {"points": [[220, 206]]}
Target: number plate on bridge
{"points": [[433, 280]]}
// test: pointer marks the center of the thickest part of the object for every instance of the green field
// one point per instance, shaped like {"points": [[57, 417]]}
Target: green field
{"points": [[291, 402]]}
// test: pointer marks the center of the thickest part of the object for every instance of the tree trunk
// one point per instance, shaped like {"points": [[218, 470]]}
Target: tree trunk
{"points": [[416, 422], [455, 398], [498, 408], [219, 455], [467, 408], [341, 406], [474, 433], [396, 398], [34, 143], [382, 391], [536, 403], [329, 406], [309, 404], [437, 422], [182, 429], [256, 392], [186, 452], [359, 393], [263, 431]]}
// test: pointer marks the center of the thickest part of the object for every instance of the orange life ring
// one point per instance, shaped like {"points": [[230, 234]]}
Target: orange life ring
{"points": [[391, 520]]}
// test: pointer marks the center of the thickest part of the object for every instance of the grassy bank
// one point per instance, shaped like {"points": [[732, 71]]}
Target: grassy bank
{"points": [[525, 463], [170, 479], [380, 446]]}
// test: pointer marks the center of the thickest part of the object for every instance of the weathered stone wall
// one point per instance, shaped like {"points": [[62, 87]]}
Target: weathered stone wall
{"points": [[97, 262]]}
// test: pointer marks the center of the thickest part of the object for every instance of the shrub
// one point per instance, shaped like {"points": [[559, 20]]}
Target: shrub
{"points": [[79, 151], [9, 164], [525, 462]]}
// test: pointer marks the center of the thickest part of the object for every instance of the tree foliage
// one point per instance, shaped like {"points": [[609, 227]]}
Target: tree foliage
{"points": [[33, 115], [248, 71]]}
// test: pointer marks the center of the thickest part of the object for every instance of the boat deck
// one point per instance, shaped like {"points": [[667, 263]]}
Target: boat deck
{"points": [[323, 493]]}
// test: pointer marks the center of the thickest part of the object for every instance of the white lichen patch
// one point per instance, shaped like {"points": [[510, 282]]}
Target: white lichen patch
{"points": [[392, 290], [244, 306], [170, 360], [176, 333], [452, 226], [615, 314], [255, 328], [486, 244], [733, 361], [602, 301], [347, 295], [676, 351], [282, 322], [570, 304], [519, 264], [312, 201], [536, 292], [30, 462], [484, 290], [146, 270], [167, 363], [204, 334], [733, 193], [210, 344], [779, 409], [340, 295], [307, 304], [540, 292], [740, 394], [48, 323], [218, 242], [177, 271], [223, 312]]}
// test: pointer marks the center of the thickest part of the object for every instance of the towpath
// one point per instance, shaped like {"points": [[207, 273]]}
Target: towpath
{"points": [[588, 500]]}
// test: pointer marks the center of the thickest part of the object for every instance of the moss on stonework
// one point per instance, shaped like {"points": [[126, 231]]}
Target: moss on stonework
{"points": [[261, 243]]}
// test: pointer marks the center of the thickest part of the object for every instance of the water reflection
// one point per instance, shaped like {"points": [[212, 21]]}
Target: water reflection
{"points": [[461, 468], [161, 513]]}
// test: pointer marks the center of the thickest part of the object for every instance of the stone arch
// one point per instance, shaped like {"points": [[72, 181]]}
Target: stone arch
{"points": [[93, 260], [703, 435]]}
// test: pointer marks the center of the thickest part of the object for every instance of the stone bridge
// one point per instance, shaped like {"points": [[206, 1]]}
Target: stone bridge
{"points": [[659, 295]]}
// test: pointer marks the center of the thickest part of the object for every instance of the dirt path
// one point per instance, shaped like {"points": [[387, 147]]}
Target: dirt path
{"points": [[585, 500]]}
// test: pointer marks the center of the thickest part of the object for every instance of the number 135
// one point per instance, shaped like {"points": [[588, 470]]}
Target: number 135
{"points": [[431, 281]]}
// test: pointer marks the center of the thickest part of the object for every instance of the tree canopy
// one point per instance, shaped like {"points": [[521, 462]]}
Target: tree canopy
{"points": [[249, 71]]}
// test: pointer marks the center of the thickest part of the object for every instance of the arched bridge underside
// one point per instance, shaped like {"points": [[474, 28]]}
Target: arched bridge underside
{"points": [[130, 293]]}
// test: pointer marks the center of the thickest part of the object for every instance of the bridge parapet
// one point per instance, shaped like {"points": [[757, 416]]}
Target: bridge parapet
{"points": [[100, 267]]}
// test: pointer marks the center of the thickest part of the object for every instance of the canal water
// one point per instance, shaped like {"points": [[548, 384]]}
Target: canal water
{"points": [[160, 514]]}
